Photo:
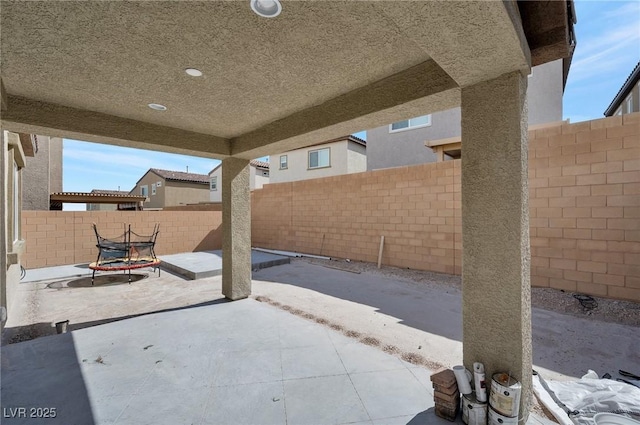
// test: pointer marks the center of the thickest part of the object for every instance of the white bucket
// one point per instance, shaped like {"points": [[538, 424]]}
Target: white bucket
{"points": [[505, 395], [473, 412], [496, 418]]}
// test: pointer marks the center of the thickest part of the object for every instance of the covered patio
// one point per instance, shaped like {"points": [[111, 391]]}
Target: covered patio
{"points": [[114, 72]]}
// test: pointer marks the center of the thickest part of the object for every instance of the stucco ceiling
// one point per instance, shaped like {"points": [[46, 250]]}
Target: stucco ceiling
{"points": [[319, 70]]}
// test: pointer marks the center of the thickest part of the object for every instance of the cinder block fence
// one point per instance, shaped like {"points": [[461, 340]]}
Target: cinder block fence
{"points": [[584, 189], [55, 238]]}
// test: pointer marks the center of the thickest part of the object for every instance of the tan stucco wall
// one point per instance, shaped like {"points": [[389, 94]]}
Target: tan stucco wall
{"points": [[386, 149], [346, 158], [55, 162], [11, 244], [183, 193], [43, 174], [256, 181], [298, 161], [66, 237], [102, 207], [216, 195], [356, 158], [171, 193], [154, 201]]}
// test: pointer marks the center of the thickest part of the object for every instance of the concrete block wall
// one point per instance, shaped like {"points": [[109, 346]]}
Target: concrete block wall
{"points": [[416, 208], [66, 237], [584, 183]]}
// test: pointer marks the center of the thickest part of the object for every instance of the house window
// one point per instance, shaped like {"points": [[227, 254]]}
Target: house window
{"points": [[630, 104], [159, 183], [319, 158], [284, 162], [144, 190], [153, 189], [417, 122], [213, 183]]}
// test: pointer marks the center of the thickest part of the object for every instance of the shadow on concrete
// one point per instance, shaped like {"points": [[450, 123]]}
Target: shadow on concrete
{"points": [[428, 417], [25, 333], [561, 343], [101, 280], [212, 241], [424, 307], [42, 383]]}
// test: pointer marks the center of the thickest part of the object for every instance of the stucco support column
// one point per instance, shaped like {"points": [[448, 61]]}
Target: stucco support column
{"points": [[3, 228], [236, 229], [496, 292]]}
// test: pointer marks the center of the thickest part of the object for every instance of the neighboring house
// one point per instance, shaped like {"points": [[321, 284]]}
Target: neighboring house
{"points": [[42, 174], [258, 177], [403, 143], [14, 150], [344, 155], [108, 207], [164, 188], [627, 100]]}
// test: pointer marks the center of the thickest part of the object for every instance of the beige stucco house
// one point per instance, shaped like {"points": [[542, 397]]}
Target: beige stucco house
{"points": [[344, 155], [42, 174], [165, 188], [403, 142], [258, 177], [15, 150], [627, 100], [294, 83]]}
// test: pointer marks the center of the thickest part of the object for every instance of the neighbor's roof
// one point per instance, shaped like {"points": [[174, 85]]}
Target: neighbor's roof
{"points": [[181, 176], [350, 138], [259, 164], [253, 162], [109, 192], [624, 91]]}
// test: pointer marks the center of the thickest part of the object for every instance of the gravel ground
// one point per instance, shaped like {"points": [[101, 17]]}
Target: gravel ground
{"points": [[603, 309]]}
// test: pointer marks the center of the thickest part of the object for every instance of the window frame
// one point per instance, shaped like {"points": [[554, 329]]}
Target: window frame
{"points": [[629, 104], [159, 183], [213, 183], [410, 127], [144, 190], [309, 167], [153, 189], [286, 162]]}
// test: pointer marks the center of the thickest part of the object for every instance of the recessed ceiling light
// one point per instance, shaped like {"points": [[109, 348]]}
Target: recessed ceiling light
{"points": [[193, 72], [266, 8], [157, 107]]}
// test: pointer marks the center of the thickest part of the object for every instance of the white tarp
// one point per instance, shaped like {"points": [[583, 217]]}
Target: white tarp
{"points": [[585, 397]]}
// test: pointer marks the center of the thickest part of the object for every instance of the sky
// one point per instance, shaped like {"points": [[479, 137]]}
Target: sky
{"points": [[608, 48]]}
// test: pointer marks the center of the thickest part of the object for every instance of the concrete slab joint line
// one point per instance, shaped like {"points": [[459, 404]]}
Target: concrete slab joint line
{"points": [[495, 230], [236, 229]]}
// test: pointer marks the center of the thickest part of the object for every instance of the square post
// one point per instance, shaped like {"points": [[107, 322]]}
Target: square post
{"points": [[496, 290], [236, 229]]}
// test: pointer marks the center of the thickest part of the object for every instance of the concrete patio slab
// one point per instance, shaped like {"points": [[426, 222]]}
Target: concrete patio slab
{"points": [[191, 265], [224, 363], [242, 355], [199, 265]]}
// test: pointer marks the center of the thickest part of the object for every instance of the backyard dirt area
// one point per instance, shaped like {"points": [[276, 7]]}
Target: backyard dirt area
{"points": [[608, 310]]}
